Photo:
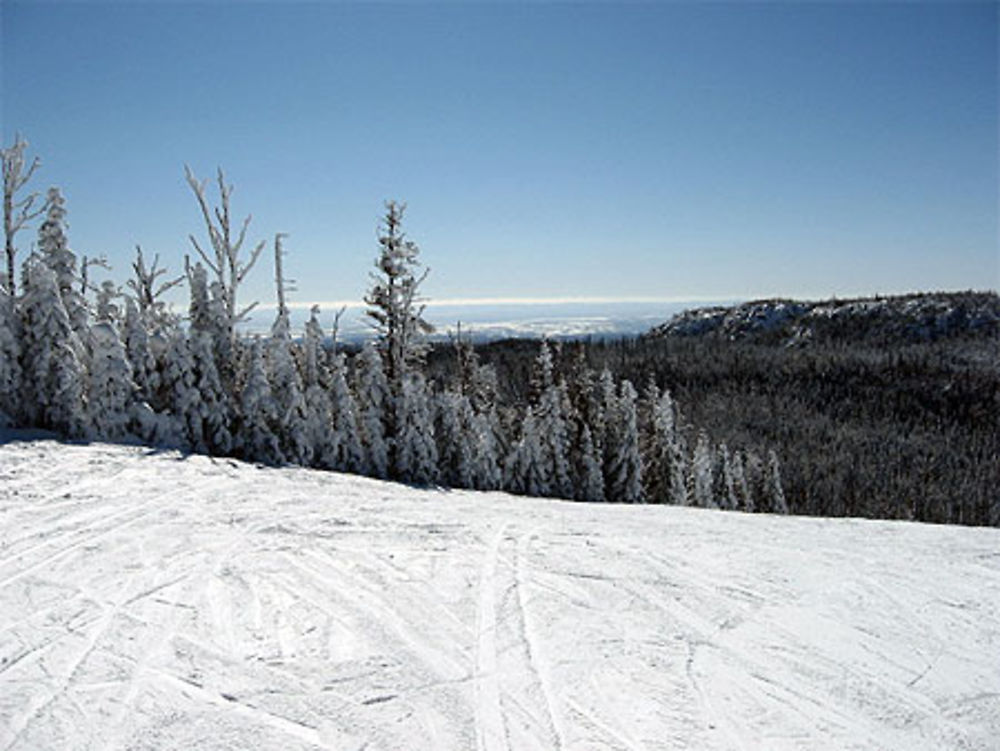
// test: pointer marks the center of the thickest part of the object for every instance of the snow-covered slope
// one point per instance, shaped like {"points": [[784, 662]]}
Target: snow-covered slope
{"points": [[154, 601]]}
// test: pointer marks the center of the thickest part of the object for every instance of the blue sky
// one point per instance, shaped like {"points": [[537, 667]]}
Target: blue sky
{"points": [[545, 150]]}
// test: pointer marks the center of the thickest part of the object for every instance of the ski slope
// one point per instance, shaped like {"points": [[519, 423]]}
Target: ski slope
{"points": [[150, 600]]}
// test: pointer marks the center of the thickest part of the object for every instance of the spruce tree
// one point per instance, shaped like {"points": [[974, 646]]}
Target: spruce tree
{"points": [[10, 368], [111, 391], [373, 400]]}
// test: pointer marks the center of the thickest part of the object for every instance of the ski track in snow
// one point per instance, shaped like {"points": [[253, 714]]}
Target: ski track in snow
{"points": [[152, 600]]}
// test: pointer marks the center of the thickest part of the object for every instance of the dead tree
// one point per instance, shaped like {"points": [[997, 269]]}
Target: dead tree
{"points": [[230, 270], [16, 212]]}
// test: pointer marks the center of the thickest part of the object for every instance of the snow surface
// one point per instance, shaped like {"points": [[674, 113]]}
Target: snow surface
{"points": [[150, 600]]}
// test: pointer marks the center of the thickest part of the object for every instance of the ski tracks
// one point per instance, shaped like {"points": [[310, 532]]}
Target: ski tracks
{"points": [[515, 707]]}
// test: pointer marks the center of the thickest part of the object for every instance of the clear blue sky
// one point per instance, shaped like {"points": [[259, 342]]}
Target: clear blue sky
{"points": [[545, 150]]}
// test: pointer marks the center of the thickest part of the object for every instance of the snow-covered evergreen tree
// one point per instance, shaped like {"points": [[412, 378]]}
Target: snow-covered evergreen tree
{"points": [[10, 367], [349, 454], [54, 250], [527, 470], [624, 477], [214, 406], [259, 413], [373, 400], [664, 461], [744, 498], [724, 488], [181, 393], [589, 480], [17, 212], [53, 376], [394, 303], [110, 389], [415, 451], [454, 426], [701, 473], [486, 450], [145, 374], [286, 386]]}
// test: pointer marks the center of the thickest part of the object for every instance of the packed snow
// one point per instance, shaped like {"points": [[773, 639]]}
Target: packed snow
{"points": [[154, 600]]}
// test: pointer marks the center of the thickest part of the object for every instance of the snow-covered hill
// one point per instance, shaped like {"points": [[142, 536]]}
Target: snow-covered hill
{"points": [[904, 318], [154, 601]]}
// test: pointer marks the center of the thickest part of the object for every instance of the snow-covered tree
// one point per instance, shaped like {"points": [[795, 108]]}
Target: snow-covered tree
{"points": [[110, 389], [180, 391], [17, 211], [286, 385], [724, 489], [663, 469], [53, 376], [526, 470], [414, 448], [486, 450], [589, 480], [745, 501], [349, 454], [54, 251], [701, 473], [226, 246], [215, 407], [259, 413], [395, 307], [148, 292], [624, 476], [145, 374], [454, 426], [373, 400], [10, 368]]}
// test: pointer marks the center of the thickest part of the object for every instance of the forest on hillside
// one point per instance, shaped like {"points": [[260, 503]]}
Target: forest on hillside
{"points": [[894, 429]]}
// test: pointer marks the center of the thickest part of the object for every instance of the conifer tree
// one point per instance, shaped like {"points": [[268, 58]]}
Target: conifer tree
{"points": [[111, 391], [145, 374], [454, 426], [624, 479], [214, 405], [349, 454], [10, 368], [414, 446], [259, 413], [53, 376], [373, 401], [589, 480], [701, 473], [54, 250], [526, 470], [181, 394]]}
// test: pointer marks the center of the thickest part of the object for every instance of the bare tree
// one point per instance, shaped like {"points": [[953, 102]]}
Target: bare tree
{"points": [[225, 262], [16, 212], [146, 288]]}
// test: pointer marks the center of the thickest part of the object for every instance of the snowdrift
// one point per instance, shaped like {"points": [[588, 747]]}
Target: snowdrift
{"points": [[150, 600]]}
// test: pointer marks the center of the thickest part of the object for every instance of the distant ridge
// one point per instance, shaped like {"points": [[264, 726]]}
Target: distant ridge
{"points": [[918, 317]]}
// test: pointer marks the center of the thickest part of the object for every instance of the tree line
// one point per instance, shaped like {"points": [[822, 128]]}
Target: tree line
{"points": [[103, 362]]}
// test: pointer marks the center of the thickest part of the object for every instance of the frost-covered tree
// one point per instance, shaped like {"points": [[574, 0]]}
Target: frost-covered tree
{"points": [[551, 412], [215, 408], [373, 401], [526, 470], [745, 501], [53, 376], [454, 429], [395, 307], [17, 211], [349, 454], [148, 291], [414, 447], [10, 368], [225, 249], [624, 477], [110, 389], [286, 385], [589, 480], [701, 473], [180, 392], [54, 251], [145, 373], [257, 438], [486, 450], [664, 461]]}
